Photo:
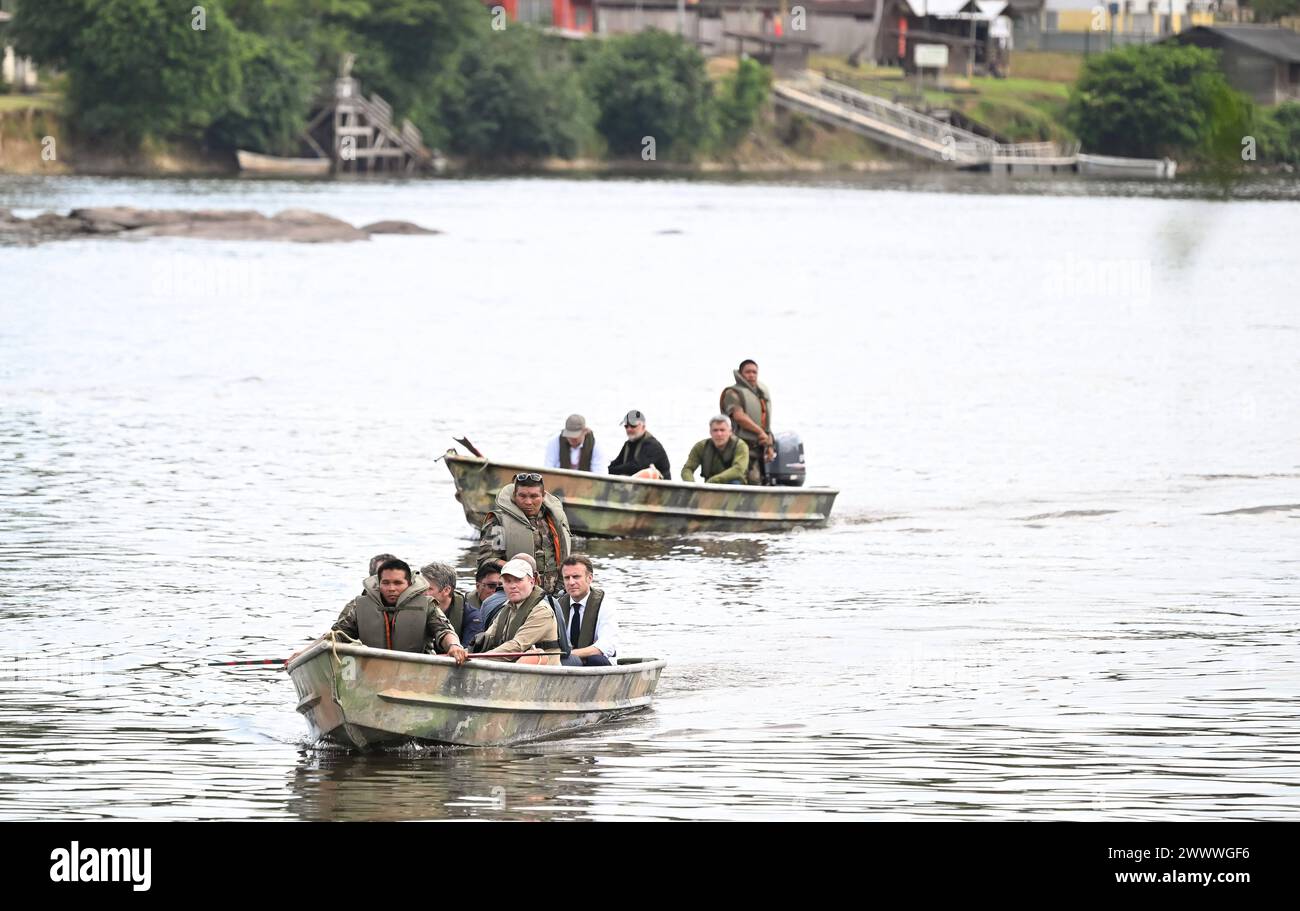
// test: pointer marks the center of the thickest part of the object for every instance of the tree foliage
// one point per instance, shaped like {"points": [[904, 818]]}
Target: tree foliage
{"points": [[280, 80], [504, 97], [1279, 134], [137, 68], [651, 84], [1156, 99], [740, 97]]}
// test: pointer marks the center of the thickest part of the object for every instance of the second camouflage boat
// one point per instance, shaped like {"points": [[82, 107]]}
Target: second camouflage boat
{"points": [[612, 506]]}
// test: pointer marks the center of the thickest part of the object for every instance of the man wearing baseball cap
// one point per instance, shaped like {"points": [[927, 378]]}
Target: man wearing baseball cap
{"points": [[575, 448], [641, 451], [526, 623]]}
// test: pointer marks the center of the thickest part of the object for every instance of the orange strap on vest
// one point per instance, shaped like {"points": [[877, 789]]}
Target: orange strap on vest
{"points": [[555, 538]]}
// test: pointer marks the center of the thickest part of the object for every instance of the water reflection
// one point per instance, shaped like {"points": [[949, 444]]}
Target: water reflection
{"points": [[416, 783]]}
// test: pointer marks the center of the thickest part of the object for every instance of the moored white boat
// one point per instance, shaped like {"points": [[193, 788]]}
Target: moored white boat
{"points": [[270, 165], [1112, 166]]}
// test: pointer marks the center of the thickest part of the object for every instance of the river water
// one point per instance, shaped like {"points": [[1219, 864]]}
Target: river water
{"points": [[1060, 580]]}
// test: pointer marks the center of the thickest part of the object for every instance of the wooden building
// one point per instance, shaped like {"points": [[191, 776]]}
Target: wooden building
{"points": [[787, 55], [569, 15], [965, 27], [1263, 61]]}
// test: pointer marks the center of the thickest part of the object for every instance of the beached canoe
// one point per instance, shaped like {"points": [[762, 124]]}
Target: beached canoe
{"points": [[612, 506], [361, 697], [273, 166]]}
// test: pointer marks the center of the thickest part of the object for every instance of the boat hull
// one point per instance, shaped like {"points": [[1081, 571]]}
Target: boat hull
{"points": [[1140, 168], [271, 166], [365, 698], [611, 506]]}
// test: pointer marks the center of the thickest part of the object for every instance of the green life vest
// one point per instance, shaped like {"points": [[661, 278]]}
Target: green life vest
{"points": [[405, 623], [713, 462], [520, 536], [456, 612], [587, 632], [757, 406], [584, 457], [515, 621]]}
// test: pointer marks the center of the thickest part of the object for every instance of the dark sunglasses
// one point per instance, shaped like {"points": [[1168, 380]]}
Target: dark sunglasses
{"points": [[527, 477]]}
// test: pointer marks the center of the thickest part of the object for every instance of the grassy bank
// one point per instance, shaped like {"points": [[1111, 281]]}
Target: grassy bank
{"points": [[1020, 108], [26, 123]]}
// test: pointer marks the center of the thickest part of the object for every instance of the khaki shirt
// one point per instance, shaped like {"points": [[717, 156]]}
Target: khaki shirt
{"points": [[538, 627]]}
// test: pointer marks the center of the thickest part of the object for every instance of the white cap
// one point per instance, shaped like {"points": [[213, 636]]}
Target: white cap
{"points": [[517, 568]]}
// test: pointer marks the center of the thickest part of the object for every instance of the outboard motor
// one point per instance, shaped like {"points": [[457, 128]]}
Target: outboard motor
{"points": [[787, 469]]}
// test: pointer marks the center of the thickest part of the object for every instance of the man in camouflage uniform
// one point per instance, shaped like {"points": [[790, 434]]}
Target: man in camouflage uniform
{"points": [[525, 518], [749, 405]]}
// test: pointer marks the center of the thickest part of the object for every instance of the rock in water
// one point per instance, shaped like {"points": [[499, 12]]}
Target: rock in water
{"points": [[297, 225], [396, 227]]}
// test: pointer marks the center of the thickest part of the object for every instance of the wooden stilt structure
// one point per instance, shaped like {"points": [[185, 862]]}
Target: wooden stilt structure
{"points": [[358, 135]]}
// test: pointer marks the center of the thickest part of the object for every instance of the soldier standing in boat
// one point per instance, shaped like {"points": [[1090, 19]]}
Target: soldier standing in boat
{"points": [[749, 405], [527, 519]]}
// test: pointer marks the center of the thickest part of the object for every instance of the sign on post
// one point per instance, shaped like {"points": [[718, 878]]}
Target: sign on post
{"points": [[934, 56]]}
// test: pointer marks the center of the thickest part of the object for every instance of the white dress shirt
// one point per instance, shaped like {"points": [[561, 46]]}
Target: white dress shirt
{"points": [[606, 625], [599, 464]]}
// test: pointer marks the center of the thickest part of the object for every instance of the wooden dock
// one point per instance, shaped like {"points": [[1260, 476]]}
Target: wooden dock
{"points": [[358, 136]]}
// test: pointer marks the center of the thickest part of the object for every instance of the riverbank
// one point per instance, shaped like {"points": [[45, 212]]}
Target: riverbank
{"points": [[35, 138]]}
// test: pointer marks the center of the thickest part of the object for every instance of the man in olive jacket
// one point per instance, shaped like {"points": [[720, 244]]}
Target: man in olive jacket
{"points": [[395, 614], [527, 519], [527, 621], [722, 459]]}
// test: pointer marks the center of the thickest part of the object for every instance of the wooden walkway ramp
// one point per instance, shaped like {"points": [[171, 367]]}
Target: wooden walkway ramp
{"points": [[897, 126]]}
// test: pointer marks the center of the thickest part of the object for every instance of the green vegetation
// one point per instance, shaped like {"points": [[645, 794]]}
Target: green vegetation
{"points": [[651, 84], [503, 97], [1158, 99], [740, 98], [235, 72], [244, 73], [1052, 66], [137, 68], [1017, 109], [43, 102], [272, 104], [1279, 133]]}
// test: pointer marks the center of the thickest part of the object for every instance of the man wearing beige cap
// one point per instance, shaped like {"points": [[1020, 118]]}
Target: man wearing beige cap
{"points": [[526, 623], [576, 448]]}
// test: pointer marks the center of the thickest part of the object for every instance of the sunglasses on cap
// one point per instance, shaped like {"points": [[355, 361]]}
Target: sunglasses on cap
{"points": [[528, 477]]}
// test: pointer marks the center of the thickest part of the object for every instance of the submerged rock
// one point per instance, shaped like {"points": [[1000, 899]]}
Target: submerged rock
{"points": [[396, 227]]}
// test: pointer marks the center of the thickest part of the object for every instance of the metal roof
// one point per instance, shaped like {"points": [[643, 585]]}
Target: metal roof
{"points": [[1269, 40]]}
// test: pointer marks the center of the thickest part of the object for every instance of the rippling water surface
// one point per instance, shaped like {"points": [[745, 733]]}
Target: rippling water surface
{"points": [[1060, 581]]}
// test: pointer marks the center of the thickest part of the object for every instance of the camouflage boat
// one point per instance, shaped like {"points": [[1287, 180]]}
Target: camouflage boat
{"points": [[363, 697], [612, 506]]}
